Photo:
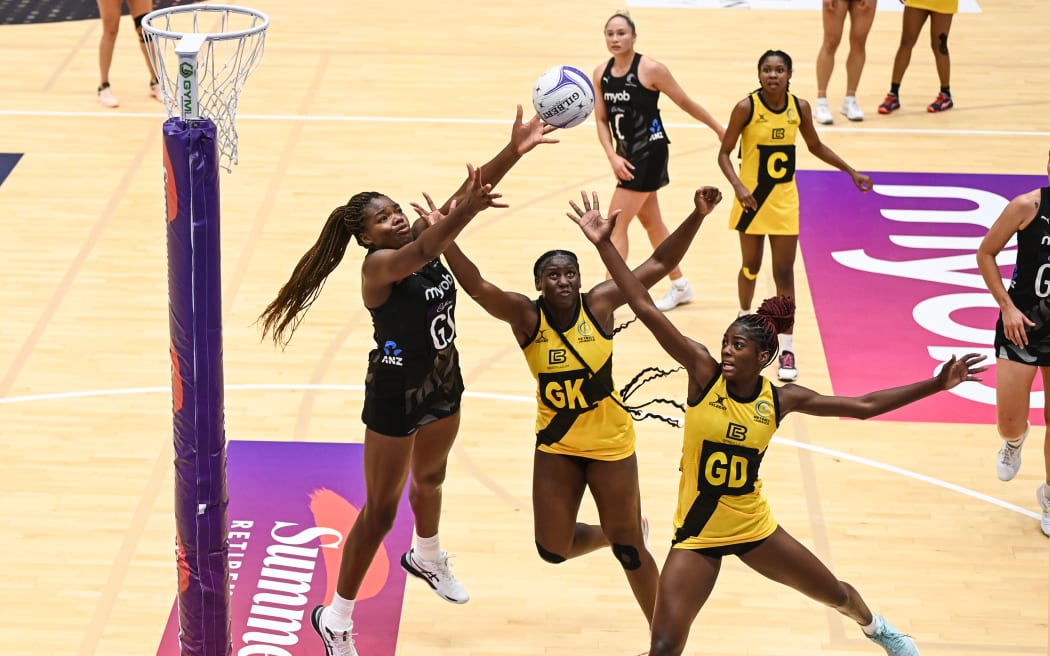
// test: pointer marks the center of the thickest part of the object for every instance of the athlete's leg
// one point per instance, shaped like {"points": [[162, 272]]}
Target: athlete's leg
{"points": [[109, 11], [861, 17], [558, 483], [751, 250], [429, 461], [1013, 387], [386, 464], [834, 17], [783, 249], [628, 202], [783, 559], [940, 26], [685, 584], [1046, 422], [652, 220], [614, 486], [911, 27], [140, 8]]}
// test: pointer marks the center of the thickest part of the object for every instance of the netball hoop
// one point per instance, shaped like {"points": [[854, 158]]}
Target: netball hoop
{"points": [[202, 55]]}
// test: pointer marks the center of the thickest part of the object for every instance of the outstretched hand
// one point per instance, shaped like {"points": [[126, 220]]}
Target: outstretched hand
{"points": [[958, 371], [476, 196], [706, 198], [596, 227], [433, 214], [526, 136]]}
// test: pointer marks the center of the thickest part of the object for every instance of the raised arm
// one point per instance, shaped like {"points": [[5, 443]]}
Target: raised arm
{"points": [[524, 136], [666, 256], [511, 307], [691, 354], [1017, 214], [381, 268], [795, 398], [821, 150]]}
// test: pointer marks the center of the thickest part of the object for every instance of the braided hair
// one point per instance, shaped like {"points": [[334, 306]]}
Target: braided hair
{"points": [[776, 315], [283, 315]]}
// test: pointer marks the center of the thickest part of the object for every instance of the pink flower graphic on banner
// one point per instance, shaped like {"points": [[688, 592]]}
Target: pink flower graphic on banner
{"points": [[333, 511]]}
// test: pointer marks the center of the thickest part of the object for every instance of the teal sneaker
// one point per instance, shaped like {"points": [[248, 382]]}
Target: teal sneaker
{"points": [[893, 641]]}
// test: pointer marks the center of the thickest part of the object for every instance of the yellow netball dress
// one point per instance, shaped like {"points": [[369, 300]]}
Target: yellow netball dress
{"points": [[720, 500], [767, 168], [937, 6], [579, 412]]}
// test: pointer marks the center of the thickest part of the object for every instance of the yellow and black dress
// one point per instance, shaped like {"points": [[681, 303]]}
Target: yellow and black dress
{"points": [[720, 500], [937, 6], [767, 168], [579, 411]]}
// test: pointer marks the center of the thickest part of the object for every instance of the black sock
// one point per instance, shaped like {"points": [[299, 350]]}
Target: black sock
{"points": [[946, 91], [895, 88]]}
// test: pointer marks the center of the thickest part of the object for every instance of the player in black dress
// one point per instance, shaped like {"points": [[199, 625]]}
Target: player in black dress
{"points": [[413, 385]]}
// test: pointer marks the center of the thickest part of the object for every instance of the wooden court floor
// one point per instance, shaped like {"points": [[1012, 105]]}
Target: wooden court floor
{"points": [[370, 95]]}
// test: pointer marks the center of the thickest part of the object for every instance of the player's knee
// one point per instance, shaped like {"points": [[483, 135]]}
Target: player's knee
{"points": [[662, 643], [628, 556], [138, 26], [941, 46], [549, 556], [748, 273]]}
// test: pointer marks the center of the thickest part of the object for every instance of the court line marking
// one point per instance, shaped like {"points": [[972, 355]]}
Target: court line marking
{"points": [[515, 398], [494, 121]]}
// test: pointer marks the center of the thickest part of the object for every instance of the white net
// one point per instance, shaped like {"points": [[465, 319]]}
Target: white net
{"points": [[202, 55]]}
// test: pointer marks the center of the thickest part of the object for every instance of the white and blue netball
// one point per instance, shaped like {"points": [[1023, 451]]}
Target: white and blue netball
{"points": [[563, 96]]}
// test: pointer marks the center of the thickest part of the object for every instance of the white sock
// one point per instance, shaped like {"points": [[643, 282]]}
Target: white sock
{"points": [[850, 99], [681, 283], [428, 548], [787, 342], [823, 101], [873, 627], [336, 615], [742, 312]]}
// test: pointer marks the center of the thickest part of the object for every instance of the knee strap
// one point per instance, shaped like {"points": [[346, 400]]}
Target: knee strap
{"points": [[138, 27], [747, 273], [549, 556], [942, 43], [628, 556]]}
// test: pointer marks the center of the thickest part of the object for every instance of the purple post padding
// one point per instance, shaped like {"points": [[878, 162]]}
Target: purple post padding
{"points": [[195, 316]]}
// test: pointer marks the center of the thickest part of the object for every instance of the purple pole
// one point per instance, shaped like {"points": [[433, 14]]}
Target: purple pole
{"points": [[195, 316]]}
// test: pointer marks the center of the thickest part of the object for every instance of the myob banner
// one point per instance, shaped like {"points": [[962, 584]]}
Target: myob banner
{"points": [[895, 284], [291, 506]]}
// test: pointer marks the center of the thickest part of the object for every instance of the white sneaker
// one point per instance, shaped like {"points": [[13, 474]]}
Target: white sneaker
{"points": [[1044, 503], [437, 574], [822, 112], [106, 97], [336, 643], [851, 110], [1008, 462], [675, 296]]}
